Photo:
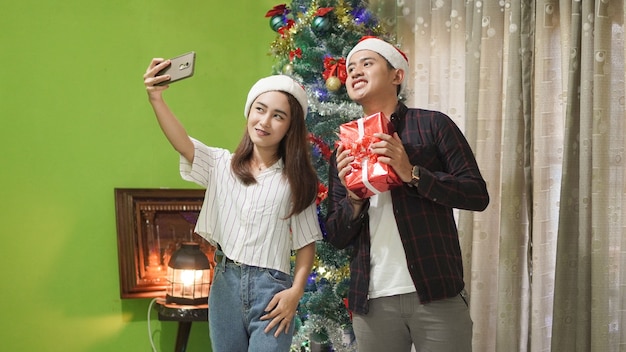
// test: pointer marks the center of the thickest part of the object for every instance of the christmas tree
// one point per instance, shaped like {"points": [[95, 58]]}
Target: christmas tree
{"points": [[313, 37]]}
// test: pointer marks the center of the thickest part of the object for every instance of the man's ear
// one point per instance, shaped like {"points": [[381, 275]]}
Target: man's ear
{"points": [[399, 76]]}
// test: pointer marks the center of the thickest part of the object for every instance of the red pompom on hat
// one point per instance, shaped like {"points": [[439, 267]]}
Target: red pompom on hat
{"points": [[282, 83], [395, 56]]}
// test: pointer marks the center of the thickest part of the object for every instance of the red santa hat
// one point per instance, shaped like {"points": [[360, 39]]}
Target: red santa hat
{"points": [[282, 83], [395, 56]]}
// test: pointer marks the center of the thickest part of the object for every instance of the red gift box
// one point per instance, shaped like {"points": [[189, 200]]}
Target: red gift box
{"points": [[368, 175]]}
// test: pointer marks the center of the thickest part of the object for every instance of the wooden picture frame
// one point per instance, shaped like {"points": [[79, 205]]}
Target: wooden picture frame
{"points": [[151, 224]]}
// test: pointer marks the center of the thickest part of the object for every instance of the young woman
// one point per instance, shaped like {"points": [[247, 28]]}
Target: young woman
{"points": [[259, 206]]}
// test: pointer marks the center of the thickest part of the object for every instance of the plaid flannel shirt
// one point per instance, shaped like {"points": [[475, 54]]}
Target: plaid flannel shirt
{"points": [[449, 178]]}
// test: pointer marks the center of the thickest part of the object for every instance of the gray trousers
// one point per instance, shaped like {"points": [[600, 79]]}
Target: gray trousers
{"points": [[396, 323]]}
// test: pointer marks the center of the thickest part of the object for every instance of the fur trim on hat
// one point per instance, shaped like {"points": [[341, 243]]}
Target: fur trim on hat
{"points": [[282, 83], [396, 58]]}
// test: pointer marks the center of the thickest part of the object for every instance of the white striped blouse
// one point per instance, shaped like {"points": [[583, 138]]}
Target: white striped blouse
{"points": [[248, 221]]}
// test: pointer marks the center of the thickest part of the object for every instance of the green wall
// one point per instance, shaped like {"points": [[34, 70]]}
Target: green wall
{"points": [[75, 124]]}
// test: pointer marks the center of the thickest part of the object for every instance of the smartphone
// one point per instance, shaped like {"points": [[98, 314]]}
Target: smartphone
{"points": [[181, 67]]}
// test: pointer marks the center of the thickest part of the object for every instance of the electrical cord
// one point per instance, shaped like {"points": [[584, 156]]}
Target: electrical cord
{"points": [[154, 349]]}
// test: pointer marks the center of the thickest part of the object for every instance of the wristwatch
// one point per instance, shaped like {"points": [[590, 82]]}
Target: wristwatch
{"points": [[415, 176]]}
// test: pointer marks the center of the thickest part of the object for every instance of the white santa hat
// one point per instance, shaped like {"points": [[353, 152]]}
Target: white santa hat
{"points": [[396, 58], [281, 83]]}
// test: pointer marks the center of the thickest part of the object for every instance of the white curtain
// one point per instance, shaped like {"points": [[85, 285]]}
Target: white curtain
{"points": [[538, 88]]}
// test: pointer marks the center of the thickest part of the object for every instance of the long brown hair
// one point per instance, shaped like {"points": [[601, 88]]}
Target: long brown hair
{"points": [[295, 150]]}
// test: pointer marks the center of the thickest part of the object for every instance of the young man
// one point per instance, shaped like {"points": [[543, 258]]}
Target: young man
{"points": [[406, 282]]}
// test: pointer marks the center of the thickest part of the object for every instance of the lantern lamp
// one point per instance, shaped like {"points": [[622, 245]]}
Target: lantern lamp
{"points": [[188, 276]]}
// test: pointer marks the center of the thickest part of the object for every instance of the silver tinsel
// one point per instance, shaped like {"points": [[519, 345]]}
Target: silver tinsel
{"points": [[341, 340], [346, 109]]}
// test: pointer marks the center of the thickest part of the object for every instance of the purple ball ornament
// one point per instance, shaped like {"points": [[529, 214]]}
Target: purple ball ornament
{"points": [[277, 21], [361, 15], [317, 153], [312, 278], [321, 94]]}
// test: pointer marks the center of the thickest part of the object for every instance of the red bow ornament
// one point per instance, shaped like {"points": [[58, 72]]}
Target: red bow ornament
{"points": [[295, 53], [277, 10], [335, 67]]}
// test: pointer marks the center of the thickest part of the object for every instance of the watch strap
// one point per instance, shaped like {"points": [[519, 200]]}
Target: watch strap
{"points": [[415, 176]]}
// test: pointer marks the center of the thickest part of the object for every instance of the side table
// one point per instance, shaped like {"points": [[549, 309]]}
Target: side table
{"points": [[184, 315]]}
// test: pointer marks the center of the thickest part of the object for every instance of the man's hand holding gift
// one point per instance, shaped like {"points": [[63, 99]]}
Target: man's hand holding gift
{"points": [[369, 157]]}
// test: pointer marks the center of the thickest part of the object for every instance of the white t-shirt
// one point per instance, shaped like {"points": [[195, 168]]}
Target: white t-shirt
{"points": [[389, 275], [248, 221]]}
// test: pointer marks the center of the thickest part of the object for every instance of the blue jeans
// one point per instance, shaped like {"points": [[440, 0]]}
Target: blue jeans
{"points": [[238, 297]]}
